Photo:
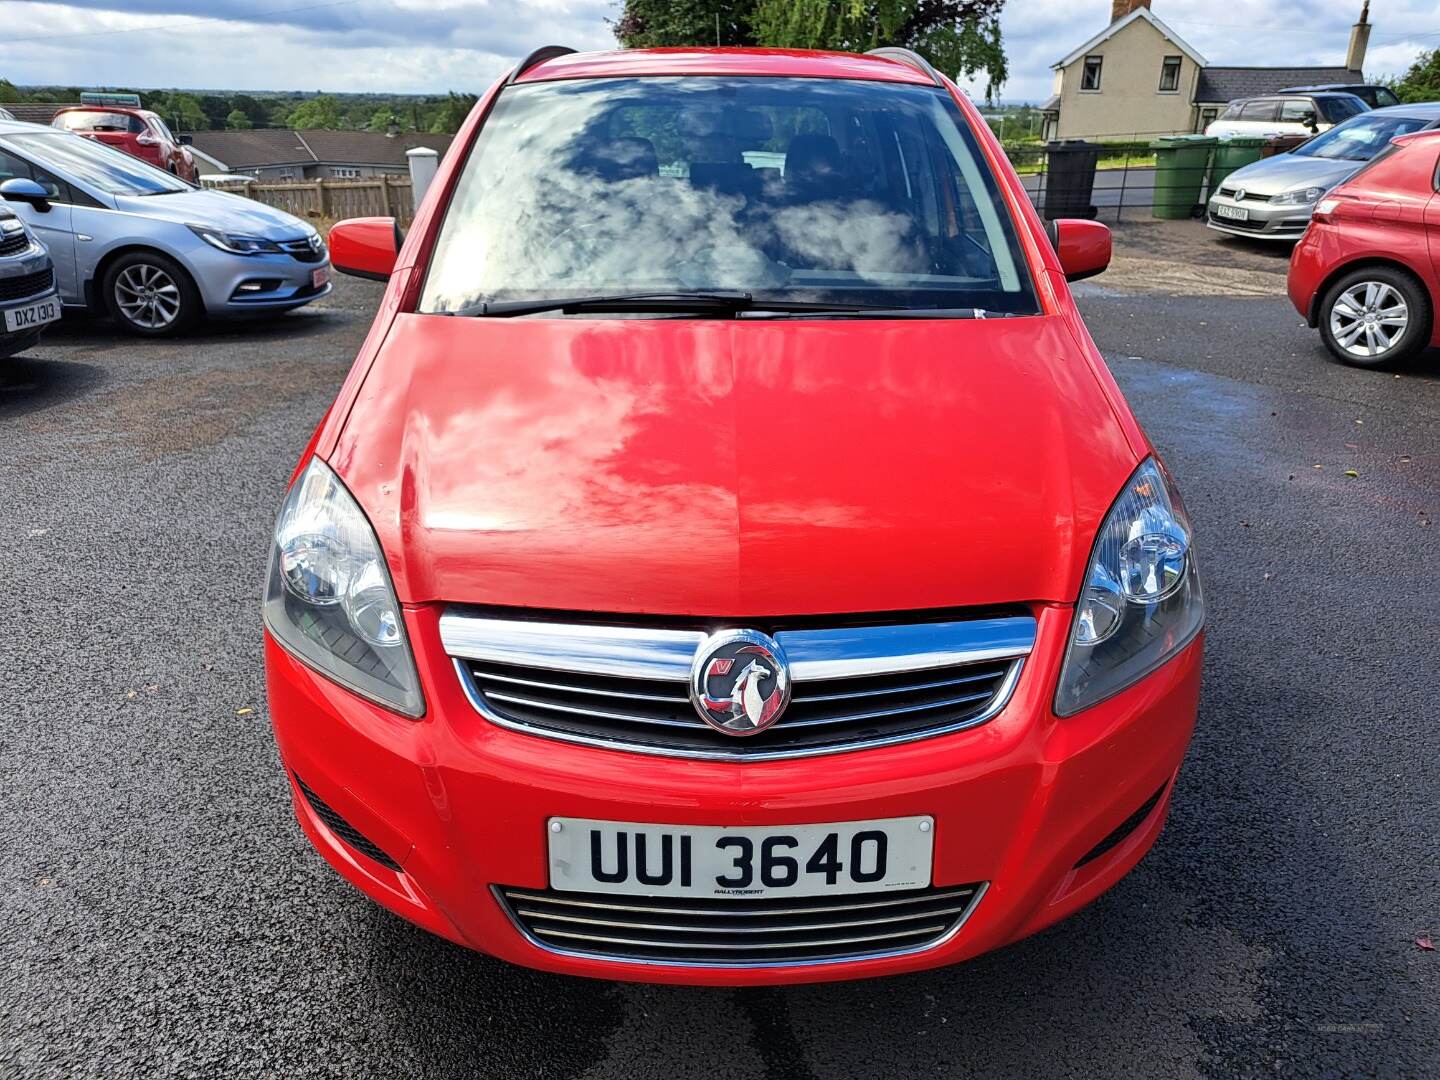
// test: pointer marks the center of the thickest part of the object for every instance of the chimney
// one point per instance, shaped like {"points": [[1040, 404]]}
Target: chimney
{"points": [[1359, 39], [1120, 8]]}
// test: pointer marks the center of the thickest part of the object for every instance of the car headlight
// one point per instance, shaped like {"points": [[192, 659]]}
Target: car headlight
{"points": [[1141, 602], [329, 599], [235, 243], [1298, 197]]}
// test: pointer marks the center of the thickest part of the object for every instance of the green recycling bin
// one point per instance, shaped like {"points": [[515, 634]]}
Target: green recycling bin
{"points": [[1232, 153], [1181, 162]]}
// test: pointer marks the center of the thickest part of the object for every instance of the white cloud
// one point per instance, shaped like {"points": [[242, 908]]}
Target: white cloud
{"points": [[438, 45]]}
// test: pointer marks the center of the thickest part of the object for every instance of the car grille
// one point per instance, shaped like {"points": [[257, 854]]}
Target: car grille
{"points": [[13, 243], [725, 932], [18, 288], [844, 704], [1229, 193], [302, 250]]}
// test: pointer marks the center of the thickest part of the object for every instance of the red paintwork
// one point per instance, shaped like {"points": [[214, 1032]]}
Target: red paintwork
{"points": [[792, 63], [364, 247], [151, 146], [731, 468], [1389, 213], [1083, 247]]}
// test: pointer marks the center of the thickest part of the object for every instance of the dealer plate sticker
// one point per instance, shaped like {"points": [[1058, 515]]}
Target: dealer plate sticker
{"points": [[705, 860]]}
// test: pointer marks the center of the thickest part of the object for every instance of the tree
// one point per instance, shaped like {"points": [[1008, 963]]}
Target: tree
{"points": [[1422, 81], [216, 108], [184, 111], [452, 113], [9, 93], [645, 24], [960, 37], [254, 111], [383, 118], [237, 121], [319, 112]]}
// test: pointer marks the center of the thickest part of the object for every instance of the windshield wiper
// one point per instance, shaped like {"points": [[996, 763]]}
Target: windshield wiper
{"points": [[725, 302], [869, 312]]}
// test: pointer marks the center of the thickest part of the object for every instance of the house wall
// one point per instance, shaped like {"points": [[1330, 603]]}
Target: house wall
{"points": [[1129, 100]]}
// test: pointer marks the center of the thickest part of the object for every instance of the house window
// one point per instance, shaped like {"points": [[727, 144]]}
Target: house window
{"points": [[285, 174], [1170, 75], [1090, 76], [344, 173]]}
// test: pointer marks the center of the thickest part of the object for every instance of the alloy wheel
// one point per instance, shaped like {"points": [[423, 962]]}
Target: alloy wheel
{"points": [[147, 296], [1368, 319]]}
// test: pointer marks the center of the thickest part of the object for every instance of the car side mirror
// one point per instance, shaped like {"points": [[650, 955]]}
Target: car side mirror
{"points": [[1083, 247], [365, 247], [185, 140], [1310, 121], [21, 189]]}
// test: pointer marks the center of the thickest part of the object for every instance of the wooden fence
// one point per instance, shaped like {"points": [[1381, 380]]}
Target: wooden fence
{"points": [[331, 200]]}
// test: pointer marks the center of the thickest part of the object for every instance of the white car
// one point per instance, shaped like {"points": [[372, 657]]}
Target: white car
{"points": [[1286, 114]]}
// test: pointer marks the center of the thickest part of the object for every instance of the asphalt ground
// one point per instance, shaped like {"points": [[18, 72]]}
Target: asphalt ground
{"points": [[162, 916]]}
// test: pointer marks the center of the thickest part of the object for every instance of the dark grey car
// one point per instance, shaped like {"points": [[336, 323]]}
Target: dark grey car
{"points": [[28, 300], [1273, 198]]}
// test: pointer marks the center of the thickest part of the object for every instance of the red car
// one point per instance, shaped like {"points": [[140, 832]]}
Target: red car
{"points": [[139, 132], [729, 559], [1365, 271]]}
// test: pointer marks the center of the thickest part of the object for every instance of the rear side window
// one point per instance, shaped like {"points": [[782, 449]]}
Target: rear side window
{"points": [[823, 190], [1383, 97], [1258, 110], [1297, 111], [1232, 111], [122, 123]]}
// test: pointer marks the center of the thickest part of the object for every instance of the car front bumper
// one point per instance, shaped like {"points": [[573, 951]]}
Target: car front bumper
{"points": [[458, 807], [1263, 221], [241, 284]]}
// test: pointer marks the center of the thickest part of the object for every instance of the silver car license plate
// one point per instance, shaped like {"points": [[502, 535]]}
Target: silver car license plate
{"points": [[30, 316], [708, 861], [1234, 213]]}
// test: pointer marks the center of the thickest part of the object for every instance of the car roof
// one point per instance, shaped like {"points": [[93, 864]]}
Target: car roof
{"points": [[1345, 87], [793, 63], [20, 127], [1422, 110], [131, 110]]}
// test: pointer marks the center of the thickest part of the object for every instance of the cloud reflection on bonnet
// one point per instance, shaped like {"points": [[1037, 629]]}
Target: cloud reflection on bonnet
{"points": [[803, 188]]}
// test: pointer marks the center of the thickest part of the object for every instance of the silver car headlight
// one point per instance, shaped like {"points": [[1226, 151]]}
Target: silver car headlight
{"points": [[1141, 602], [236, 243], [329, 599], [1298, 197]]}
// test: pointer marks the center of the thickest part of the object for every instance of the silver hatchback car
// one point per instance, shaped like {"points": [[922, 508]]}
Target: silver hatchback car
{"points": [[154, 252], [27, 287]]}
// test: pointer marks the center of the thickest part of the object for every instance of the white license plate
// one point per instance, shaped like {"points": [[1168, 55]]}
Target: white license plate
{"points": [[1234, 213], [706, 860], [32, 315], [319, 277]]}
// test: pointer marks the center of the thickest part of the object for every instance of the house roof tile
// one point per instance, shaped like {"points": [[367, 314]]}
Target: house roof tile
{"points": [[278, 146], [1221, 85]]}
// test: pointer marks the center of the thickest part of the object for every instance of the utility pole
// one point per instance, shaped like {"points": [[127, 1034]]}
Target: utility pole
{"points": [[717, 29]]}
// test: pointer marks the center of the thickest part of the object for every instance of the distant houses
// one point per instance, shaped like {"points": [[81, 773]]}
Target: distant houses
{"points": [[278, 154]]}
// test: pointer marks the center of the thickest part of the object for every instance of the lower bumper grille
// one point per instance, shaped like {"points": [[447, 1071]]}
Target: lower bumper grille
{"points": [[723, 932], [27, 285], [344, 830]]}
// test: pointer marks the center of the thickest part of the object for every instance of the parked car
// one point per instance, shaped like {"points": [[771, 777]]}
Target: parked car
{"points": [[734, 573], [28, 301], [1374, 95], [1276, 114], [138, 132], [1272, 198], [1365, 271], [146, 247], [6, 114]]}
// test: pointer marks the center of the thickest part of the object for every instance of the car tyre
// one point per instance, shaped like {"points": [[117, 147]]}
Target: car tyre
{"points": [[151, 295], [1376, 317]]}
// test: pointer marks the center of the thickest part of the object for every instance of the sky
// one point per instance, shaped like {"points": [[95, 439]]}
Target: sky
{"points": [[432, 46]]}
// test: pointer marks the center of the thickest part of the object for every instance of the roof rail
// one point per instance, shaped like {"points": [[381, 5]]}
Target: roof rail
{"points": [[910, 57], [539, 56]]}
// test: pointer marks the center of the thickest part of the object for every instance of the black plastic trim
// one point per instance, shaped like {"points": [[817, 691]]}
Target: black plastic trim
{"points": [[539, 56]]}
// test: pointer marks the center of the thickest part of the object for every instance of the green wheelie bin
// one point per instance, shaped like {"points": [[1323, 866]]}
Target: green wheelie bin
{"points": [[1232, 153], [1181, 162]]}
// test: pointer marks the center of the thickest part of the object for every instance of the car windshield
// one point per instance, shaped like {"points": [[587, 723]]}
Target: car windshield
{"points": [[801, 190], [1359, 139], [1342, 107], [94, 165]]}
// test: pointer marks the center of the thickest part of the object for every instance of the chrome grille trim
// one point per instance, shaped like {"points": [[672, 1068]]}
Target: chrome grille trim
{"points": [[626, 688], [919, 921]]}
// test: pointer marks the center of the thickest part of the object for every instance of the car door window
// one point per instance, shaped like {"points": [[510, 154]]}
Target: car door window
{"points": [[1258, 110], [1297, 111], [12, 166]]}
